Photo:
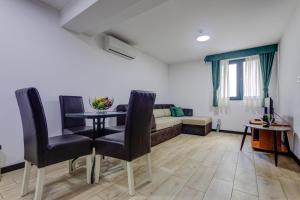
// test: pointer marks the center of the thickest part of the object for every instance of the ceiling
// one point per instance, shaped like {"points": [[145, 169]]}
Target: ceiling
{"points": [[168, 31]]}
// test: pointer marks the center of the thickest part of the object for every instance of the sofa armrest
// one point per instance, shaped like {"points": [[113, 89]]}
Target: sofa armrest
{"points": [[187, 112]]}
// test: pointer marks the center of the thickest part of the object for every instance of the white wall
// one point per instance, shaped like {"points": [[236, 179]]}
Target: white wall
{"points": [[190, 86], [35, 51], [289, 69]]}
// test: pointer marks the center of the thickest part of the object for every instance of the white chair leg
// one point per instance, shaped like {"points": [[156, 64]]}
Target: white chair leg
{"points": [[71, 167], [149, 170], [97, 168], [39, 184], [124, 164], [26, 176], [130, 179], [88, 169]]}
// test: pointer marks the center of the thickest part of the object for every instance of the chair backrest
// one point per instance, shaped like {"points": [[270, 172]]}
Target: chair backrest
{"points": [[34, 124], [138, 123], [71, 104]]}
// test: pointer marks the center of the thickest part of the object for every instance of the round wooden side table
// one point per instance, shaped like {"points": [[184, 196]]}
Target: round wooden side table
{"points": [[274, 130]]}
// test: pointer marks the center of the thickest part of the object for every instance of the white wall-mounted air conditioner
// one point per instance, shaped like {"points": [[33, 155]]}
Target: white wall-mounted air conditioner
{"points": [[118, 47]]}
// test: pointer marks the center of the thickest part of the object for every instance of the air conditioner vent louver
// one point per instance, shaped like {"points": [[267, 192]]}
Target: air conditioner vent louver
{"points": [[118, 47]]}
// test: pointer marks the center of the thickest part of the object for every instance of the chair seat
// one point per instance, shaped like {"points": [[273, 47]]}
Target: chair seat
{"points": [[116, 137], [65, 147], [80, 130], [111, 145], [116, 128]]}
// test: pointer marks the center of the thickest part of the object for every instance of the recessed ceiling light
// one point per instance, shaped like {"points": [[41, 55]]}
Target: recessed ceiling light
{"points": [[203, 38]]}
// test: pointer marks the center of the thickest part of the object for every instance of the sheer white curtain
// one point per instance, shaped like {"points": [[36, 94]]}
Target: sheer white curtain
{"points": [[224, 93], [252, 83]]}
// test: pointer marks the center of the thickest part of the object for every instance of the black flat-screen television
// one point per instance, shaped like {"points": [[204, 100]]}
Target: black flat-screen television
{"points": [[269, 105]]}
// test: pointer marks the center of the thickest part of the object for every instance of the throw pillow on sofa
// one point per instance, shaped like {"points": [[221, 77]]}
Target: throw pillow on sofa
{"points": [[178, 112], [172, 111]]}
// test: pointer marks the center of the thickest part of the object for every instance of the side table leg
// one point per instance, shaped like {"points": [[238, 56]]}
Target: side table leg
{"points": [[244, 137], [275, 147], [286, 141]]}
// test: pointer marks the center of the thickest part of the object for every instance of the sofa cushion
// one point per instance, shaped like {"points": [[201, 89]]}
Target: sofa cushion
{"points": [[158, 113], [165, 122], [167, 112], [161, 113], [201, 121]]}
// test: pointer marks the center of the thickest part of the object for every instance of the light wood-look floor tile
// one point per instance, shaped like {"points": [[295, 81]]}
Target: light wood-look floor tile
{"points": [[201, 179], [270, 189], [185, 167], [237, 195], [219, 190], [168, 189], [188, 193], [226, 172], [291, 188]]}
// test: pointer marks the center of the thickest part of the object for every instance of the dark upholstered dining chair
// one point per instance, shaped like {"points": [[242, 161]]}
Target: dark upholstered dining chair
{"points": [[41, 150], [73, 104], [135, 141]]}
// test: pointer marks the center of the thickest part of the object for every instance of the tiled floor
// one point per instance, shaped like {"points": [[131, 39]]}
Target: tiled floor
{"points": [[186, 167]]}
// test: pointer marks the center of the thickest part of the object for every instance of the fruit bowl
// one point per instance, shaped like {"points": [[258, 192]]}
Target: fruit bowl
{"points": [[101, 103]]}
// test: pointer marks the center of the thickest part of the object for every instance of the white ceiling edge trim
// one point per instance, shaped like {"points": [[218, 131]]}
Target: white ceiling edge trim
{"points": [[74, 9]]}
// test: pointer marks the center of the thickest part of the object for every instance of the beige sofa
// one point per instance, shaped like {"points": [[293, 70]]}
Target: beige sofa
{"points": [[163, 119], [165, 127]]}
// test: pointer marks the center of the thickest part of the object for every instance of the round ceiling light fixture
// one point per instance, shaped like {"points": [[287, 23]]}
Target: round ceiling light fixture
{"points": [[203, 38]]}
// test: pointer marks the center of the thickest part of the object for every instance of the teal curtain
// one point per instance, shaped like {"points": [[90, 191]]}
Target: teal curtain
{"points": [[266, 54], [215, 81], [266, 62], [242, 53]]}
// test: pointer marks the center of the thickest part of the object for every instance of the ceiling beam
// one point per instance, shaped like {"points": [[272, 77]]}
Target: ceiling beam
{"points": [[73, 9], [93, 17]]}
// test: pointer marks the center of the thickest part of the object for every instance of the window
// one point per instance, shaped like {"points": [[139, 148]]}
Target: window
{"points": [[236, 79]]}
